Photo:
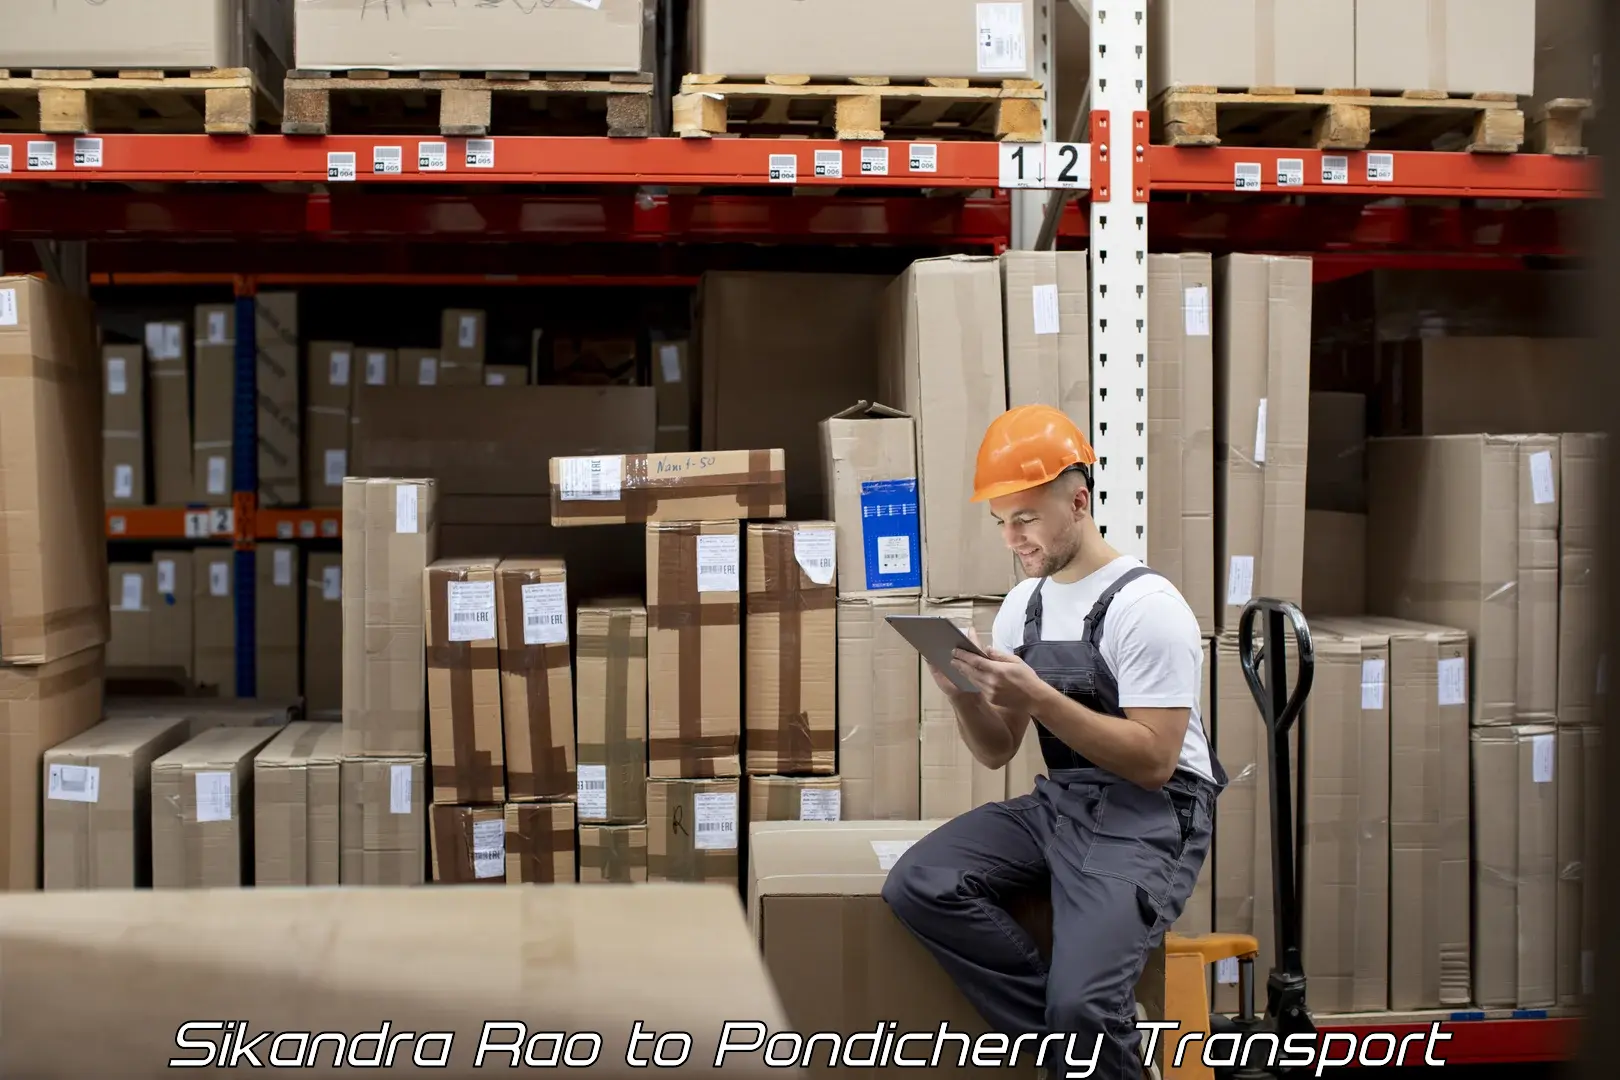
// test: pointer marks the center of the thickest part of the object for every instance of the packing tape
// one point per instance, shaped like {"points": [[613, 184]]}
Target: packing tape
{"points": [[549, 771], [615, 855], [22, 631], [759, 492], [792, 742], [680, 608], [534, 846], [453, 845], [471, 775]]}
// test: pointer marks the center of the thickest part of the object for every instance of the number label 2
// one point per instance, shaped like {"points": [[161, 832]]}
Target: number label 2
{"points": [[1068, 165]]}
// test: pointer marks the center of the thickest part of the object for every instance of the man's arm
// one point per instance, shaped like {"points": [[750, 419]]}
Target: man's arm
{"points": [[993, 735]]}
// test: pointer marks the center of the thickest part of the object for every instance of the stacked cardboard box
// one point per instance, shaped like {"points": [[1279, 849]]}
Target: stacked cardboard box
{"points": [[213, 424], [275, 339], [203, 810], [152, 628], [611, 648], [331, 377], [297, 793]]}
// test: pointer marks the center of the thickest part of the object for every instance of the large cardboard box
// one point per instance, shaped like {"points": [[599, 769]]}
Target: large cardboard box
{"points": [[1181, 428], [214, 611], [202, 810], [537, 683], [879, 712], [1335, 579], [899, 38], [540, 848], [98, 803], [150, 35], [1515, 866], [468, 844], [123, 418], [612, 854], [389, 538], [383, 820], [328, 420], [53, 557], [672, 377], [174, 612], [1244, 44], [1569, 863], [307, 960], [168, 347], [792, 649], [694, 649], [278, 591], [693, 830], [1262, 429], [275, 340], [953, 780], [794, 798], [611, 644], [204, 714], [1336, 475], [1594, 797], [606, 36], [297, 789], [323, 634], [1047, 322], [1455, 46], [1583, 462], [943, 366], [631, 489], [869, 473], [129, 588], [465, 740], [462, 343], [213, 429]]}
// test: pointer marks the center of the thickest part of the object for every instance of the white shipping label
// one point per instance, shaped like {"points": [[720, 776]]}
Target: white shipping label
{"points": [[1226, 971], [669, 359], [1453, 677], [595, 479], [816, 552], [1246, 176], [716, 813], [74, 783], [888, 852], [219, 579], [1335, 169], [165, 577], [123, 481], [1541, 478], [489, 848], [332, 583], [283, 568], [592, 791], [427, 371], [338, 373], [399, 789], [376, 369], [8, 308], [1240, 581], [1195, 310], [782, 168], [42, 156], [480, 153], [545, 613], [1381, 168], [388, 160], [117, 381], [829, 164], [213, 796], [717, 564], [216, 328], [405, 508], [5, 159], [494, 378], [472, 610], [1372, 683], [1046, 309], [1260, 433], [1290, 172], [1002, 46], [923, 157], [874, 161], [819, 805], [337, 467], [131, 598], [1543, 750], [894, 555], [433, 156], [156, 339], [467, 333], [216, 475]]}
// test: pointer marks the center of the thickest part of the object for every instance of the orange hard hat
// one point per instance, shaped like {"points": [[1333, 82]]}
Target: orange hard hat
{"points": [[1025, 448]]}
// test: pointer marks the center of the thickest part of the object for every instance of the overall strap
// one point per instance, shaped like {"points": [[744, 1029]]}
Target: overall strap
{"points": [[1094, 621], [1032, 615]]}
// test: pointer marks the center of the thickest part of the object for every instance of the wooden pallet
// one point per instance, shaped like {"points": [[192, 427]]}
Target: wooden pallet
{"points": [[1007, 110], [1559, 127], [1338, 119], [219, 101], [456, 103]]}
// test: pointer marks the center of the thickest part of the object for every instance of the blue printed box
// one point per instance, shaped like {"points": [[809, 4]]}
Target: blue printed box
{"points": [[869, 452]]}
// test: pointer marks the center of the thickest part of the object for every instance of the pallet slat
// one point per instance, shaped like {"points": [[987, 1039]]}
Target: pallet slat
{"points": [[218, 101]]}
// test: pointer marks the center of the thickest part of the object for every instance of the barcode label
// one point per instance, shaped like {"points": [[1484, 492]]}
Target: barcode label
{"points": [[924, 157], [217, 329], [1001, 38], [480, 153], [830, 164], [433, 156], [467, 332], [282, 571], [894, 555], [87, 153], [74, 783], [399, 789], [1246, 176], [219, 579], [340, 165], [472, 610], [5, 159], [545, 613], [388, 160], [376, 369], [42, 156], [1372, 683], [216, 475], [213, 796], [165, 577], [783, 168], [1291, 172], [1453, 678], [405, 509], [489, 848], [874, 161], [1335, 169], [597, 479], [1381, 168], [816, 552], [593, 792], [716, 814], [123, 481], [117, 382], [338, 374], [337, 467], [332, 583], [818, 804], [717, 564]]}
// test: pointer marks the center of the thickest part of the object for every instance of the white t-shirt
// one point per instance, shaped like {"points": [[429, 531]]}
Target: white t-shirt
{"points": [[1150, 642]]}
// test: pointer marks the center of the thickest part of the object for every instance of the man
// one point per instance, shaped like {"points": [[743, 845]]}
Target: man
{"points": [[1105, 658]]}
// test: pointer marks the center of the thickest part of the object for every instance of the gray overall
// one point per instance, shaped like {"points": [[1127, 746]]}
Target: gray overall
{"points": [[1119, 861]]}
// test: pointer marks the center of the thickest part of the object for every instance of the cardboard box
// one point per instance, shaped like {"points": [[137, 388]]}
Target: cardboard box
{"points": [[281, 459], [130, 589], [462, 338], [1570, 861], [1455, 46], [277, 593], [378, 367], [953, 780], [212, 425], [794, 798], [1505, 385], [1457, 545], [1047, 322], [1515, 866], [879, 712], [1262, 429], [297, 790], [1583, 462], [332, 375], [792, 648], [942, 365], [323, 633], [214, 610], [672, 379], [869, 467], [587, 361], [506, 375], [169, 372], [612, 854], [1335, 581], [389, 538], [418, 367], [629, 489], [174, 611], [1241, 880], [123, 420], [537, 685], [54, 553], [40, 707], [205, 714], [692, 830], [694, 649], [611, 645], [148, 35], [98, 803], [540, 843], [280, 420], [1593, 774], [1336, 467], [383, 820], [1181, 428], [820, 333], [900, 38], [464, 682], [469, 844], [1240, 44], [606, 37], [202, 810]]}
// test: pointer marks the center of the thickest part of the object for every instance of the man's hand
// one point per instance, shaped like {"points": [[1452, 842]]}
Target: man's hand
{"points": [[1004, 681], [941, 680]]}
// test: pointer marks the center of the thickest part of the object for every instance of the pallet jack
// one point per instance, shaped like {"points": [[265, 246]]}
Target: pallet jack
{"points": [[1187, 958]]}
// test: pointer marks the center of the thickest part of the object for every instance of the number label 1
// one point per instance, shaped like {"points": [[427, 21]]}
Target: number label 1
{"points": [[1068, 165], [1023, 165]]}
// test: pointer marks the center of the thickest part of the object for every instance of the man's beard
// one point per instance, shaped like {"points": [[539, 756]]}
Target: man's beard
{"points": [[1055, 561]]}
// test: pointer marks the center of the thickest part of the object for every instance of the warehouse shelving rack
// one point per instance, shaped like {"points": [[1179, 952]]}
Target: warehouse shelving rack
{"points": [[1121, 197]]}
